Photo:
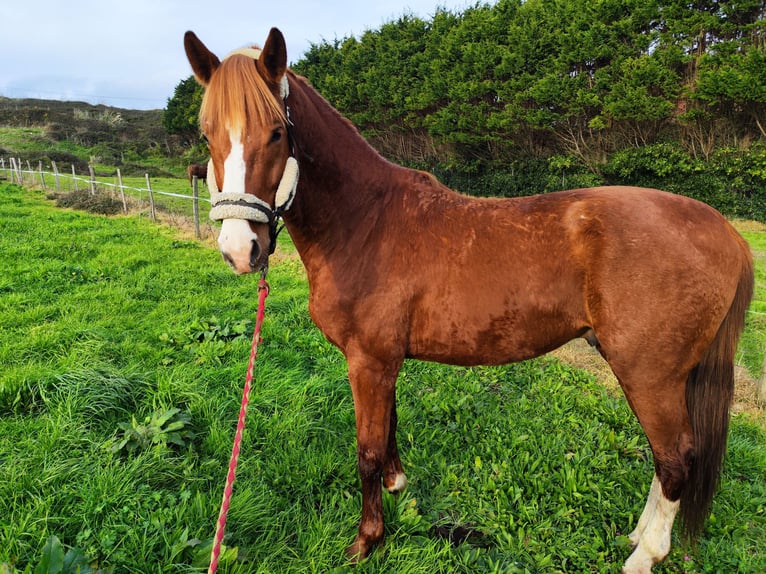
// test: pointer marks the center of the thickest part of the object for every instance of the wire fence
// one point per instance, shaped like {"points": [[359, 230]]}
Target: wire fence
{"points": [[144, 199], [177, 209]]}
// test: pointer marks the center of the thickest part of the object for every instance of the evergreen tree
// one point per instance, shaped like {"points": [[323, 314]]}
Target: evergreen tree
{"points": [[181, 115]]}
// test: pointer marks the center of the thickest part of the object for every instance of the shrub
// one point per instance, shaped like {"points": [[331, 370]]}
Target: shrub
{"points": [[733, 181], [519, 178], [100, 203]]}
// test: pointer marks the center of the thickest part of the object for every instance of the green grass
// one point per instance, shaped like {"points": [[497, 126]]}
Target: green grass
{"points": [[754, 338], [533, 466], [24, 139], [35, 140], [169, 207]]}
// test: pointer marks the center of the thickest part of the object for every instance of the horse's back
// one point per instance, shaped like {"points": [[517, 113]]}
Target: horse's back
{"points": [[509, 279]]}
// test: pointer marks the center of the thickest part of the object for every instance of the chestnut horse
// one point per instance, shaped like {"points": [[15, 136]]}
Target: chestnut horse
{"points": [[400, 266], [199, 170]]}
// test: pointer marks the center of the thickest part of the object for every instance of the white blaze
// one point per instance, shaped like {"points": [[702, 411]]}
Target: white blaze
{"points": [[234, 166], [236, 237]]}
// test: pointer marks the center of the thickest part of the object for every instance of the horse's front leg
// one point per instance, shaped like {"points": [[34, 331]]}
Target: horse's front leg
{"points": [[373, 386]]}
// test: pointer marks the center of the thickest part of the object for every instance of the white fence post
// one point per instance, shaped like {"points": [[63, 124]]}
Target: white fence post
{"points": [[92, 180], [16, 171], [151, 198], [56, 175], [195, 204], [122, 191], [42, 177]]}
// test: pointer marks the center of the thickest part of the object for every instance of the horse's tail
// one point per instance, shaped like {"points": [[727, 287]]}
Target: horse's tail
{"points": [[709, 393]]}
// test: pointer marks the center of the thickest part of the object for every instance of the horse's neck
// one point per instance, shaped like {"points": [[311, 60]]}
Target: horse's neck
{"points": [[343, 181]]}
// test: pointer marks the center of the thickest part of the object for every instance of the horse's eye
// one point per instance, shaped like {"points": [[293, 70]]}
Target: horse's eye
{"points": [[276, 135], [204, 139]]}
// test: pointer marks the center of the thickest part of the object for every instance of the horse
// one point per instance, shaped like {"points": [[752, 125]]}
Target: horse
{"points": [[399, 266], [196, 170]]}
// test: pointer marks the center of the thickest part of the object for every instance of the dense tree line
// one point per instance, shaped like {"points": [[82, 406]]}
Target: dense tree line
{"points": [[535, 78], [534, 95]]}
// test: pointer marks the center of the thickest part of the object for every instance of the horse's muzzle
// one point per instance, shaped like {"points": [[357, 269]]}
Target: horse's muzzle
{"points": [[257, 261], [240, 247]]}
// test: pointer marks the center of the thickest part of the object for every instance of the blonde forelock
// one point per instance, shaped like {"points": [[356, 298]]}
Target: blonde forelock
{"points": [[238, 95]]}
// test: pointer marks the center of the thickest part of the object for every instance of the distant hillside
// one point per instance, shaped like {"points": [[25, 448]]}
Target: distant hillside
{"points": [[79, 133]]}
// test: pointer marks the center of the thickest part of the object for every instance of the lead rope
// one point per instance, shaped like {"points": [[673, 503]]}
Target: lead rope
{"points": [[263, 292]]}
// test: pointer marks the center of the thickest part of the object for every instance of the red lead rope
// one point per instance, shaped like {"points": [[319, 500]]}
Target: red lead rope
{"points": [[263, 292]]}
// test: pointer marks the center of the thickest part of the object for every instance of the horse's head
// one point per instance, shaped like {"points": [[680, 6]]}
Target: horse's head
{"points": [[243, 117]]}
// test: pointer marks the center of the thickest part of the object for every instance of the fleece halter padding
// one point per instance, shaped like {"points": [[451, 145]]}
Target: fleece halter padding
{"points": [[246, 206]]}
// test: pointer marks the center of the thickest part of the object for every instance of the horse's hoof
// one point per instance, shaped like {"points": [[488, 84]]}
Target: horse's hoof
{"points": [[357, 552], [361, 549]]}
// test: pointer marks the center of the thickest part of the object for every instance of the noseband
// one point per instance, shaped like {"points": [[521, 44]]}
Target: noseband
{"points": [[231, 205]]}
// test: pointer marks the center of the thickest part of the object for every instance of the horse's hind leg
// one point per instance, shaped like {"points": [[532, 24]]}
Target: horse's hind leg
{"points": [[394, 478], [661, 410], [651, 537], [651, 504]]}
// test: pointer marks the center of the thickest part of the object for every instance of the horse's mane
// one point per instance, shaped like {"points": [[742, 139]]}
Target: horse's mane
{"points": [[236, 91]]}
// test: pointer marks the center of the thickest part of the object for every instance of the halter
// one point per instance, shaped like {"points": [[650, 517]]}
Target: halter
{"points": [[232, 205]]}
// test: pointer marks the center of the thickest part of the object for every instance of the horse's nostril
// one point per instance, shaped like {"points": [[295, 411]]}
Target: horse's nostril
{"points": [[255, 254], [229, 260]]}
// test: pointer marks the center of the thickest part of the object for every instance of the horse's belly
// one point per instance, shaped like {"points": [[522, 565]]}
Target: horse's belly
{"points": [[507, 338]]}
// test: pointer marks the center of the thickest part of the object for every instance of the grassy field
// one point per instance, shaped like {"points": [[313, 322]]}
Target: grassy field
{"points": [[123, 347], [753, 343], [172, 195]]}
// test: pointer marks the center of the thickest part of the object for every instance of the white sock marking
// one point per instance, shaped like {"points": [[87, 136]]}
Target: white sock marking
{"points": [[654, 540]]}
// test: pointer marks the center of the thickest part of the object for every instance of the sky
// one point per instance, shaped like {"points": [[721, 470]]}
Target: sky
{"points": [[130, 54]]}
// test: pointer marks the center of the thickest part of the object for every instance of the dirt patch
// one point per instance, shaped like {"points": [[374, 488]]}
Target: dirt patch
{"points": [[748, 226]]}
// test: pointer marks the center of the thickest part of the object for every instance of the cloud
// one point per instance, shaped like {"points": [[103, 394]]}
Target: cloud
{"points": [[130, 54]]}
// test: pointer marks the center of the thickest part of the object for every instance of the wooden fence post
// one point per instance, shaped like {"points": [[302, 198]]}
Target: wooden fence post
{"points": [[56, 175], [42, 178], [122, 191], [151, 198], [74, 178], [20, 168], [92, 180], [2, 164], [12, 166], [195, 204]]}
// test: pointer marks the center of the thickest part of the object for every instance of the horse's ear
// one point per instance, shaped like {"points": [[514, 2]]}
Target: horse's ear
{"points": [[202, 60], [273, 60]]}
